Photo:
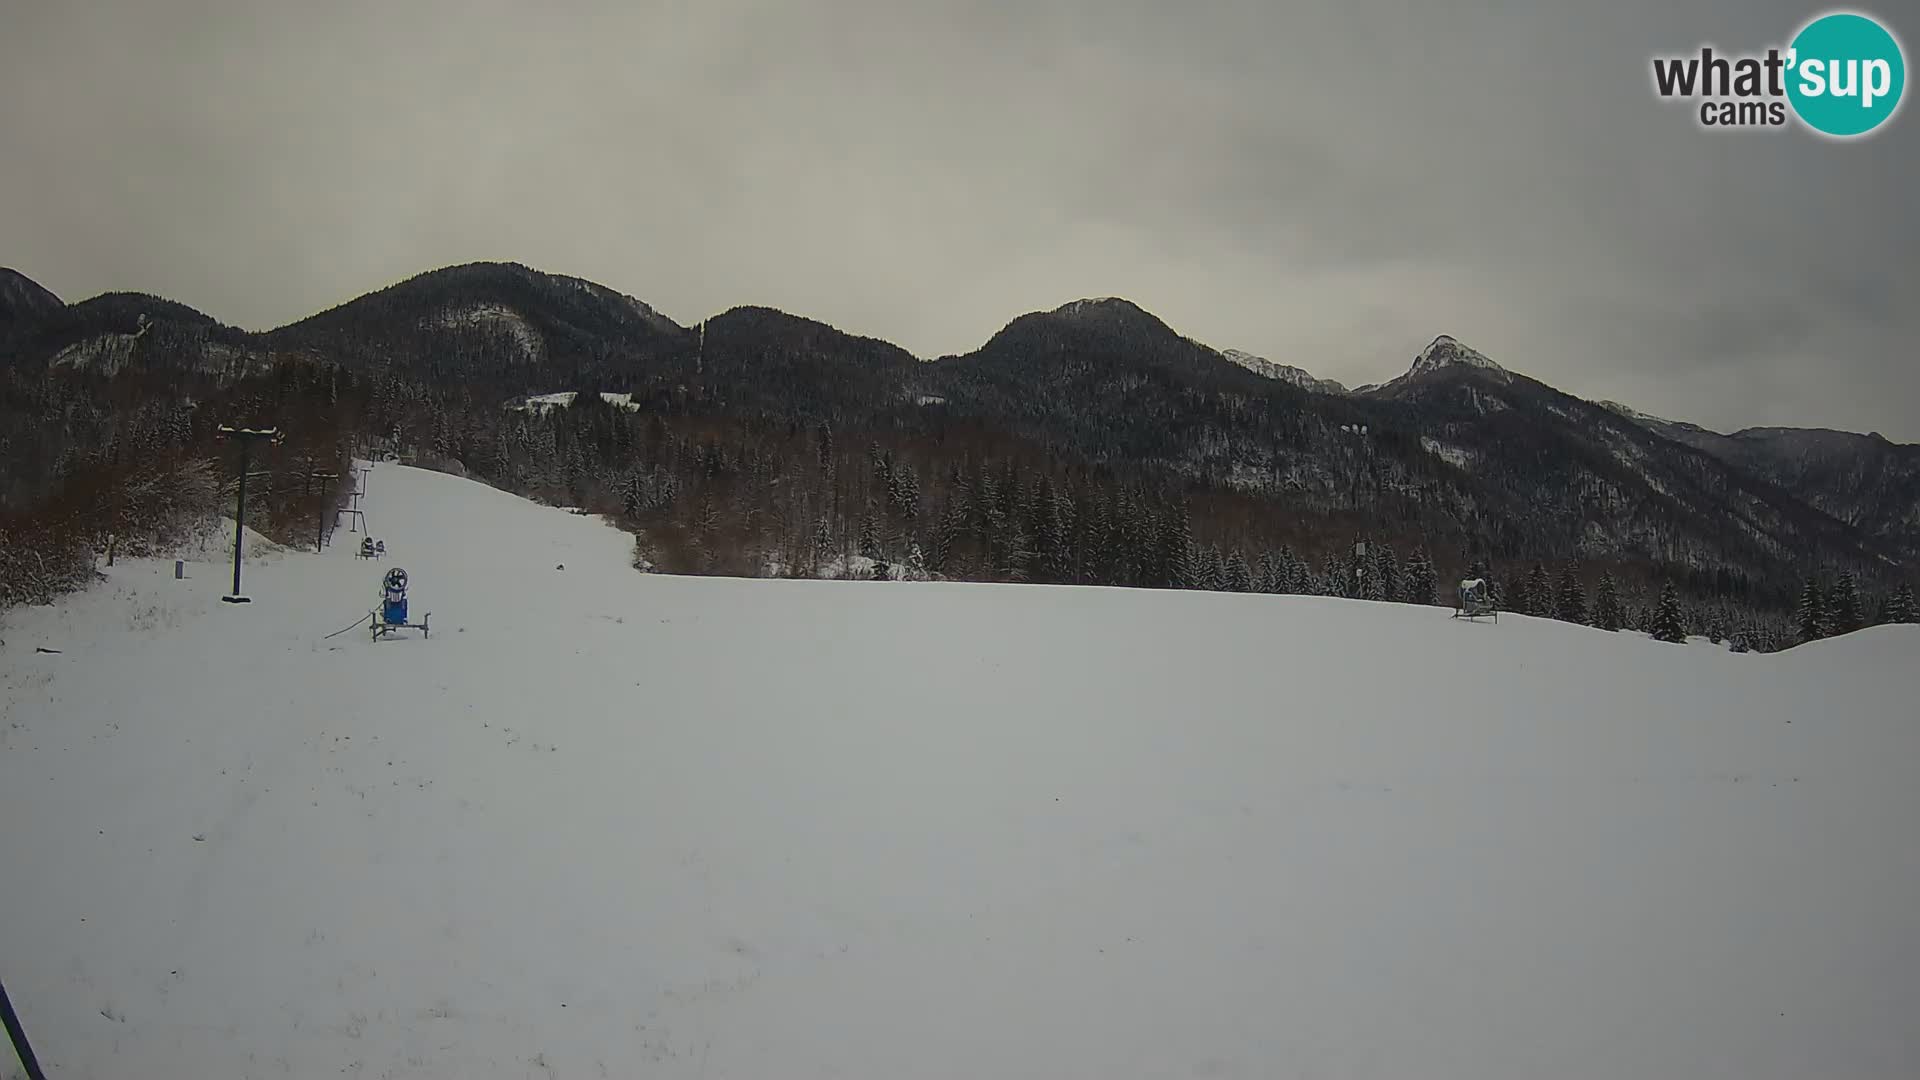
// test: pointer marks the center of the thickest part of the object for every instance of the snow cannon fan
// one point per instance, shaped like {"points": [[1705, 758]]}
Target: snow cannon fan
{"points": [[394, 597]]}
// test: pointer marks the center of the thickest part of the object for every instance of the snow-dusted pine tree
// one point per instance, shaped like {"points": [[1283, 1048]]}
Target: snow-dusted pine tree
{"points": [[1299, 576], [1421, 587], [1211, 569], [632, 495], [822, 539], [1539, 592], [1843, 607], [1901, 609], [1812, 617], [1266, 579], [1571, 605], [1333, 576], [1238, 577], [1606, 604], [1180, 556], [706, 528], [1667, 625], [1517, 599], [1383, 577], [903, 490], [951, 524]]}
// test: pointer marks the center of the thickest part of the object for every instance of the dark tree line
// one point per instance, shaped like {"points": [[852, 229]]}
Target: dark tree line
{"points": [[129, 460], [131, 465]]}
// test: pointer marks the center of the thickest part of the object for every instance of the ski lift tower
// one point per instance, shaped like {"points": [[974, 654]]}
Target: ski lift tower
{"points": [[246, 437], [355, 517], [320, 518]]}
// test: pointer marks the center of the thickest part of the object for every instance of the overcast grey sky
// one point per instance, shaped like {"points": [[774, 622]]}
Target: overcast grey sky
{"points": [[1327, 185]]}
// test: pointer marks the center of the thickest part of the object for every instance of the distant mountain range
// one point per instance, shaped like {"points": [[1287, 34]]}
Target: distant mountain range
{"points": [[1459, 449]]}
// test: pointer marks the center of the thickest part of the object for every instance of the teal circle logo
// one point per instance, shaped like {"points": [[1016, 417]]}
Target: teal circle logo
{"points": [[1846, 74]]}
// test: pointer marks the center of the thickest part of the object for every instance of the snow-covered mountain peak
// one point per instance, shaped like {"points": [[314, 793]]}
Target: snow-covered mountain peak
{"points": [[1114, 316], [1102, 306], [1632, 413], [1286, 373], [1446, 351]]}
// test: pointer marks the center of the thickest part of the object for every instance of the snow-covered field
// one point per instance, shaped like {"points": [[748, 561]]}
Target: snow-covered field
{"points": [[605, 824]]}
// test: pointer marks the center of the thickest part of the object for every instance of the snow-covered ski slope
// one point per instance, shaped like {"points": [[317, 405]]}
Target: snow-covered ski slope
{"points": [[606, 824]]}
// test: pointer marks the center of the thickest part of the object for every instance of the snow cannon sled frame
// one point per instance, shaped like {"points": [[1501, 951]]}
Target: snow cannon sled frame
{"points": [[1476, 601], [381, 628], [391, 615]]}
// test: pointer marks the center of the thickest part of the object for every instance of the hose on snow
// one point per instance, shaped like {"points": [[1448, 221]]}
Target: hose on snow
{"points": [[354, 624]]}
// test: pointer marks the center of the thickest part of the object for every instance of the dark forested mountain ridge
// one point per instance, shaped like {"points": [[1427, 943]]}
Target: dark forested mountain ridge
{"points": [[112, 332], [1457, 447], [23, 299], [1863, 480], [499, 325], [761, 362], [1599, 481], [758, 438], [1106, 381]]}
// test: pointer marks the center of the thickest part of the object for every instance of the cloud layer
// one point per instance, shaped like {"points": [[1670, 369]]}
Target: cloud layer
{"points": [[1328, 187]]}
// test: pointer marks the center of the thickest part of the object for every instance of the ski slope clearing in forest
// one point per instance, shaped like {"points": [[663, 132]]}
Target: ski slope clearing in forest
{"points": [[607, 824]]}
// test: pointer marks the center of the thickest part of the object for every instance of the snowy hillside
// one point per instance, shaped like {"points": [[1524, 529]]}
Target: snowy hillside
{"points": [[606, 824]]}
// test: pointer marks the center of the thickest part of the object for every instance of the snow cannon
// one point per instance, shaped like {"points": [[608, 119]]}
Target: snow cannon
{"points": [[393, 597], [1476, 599], [393, 606]]}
